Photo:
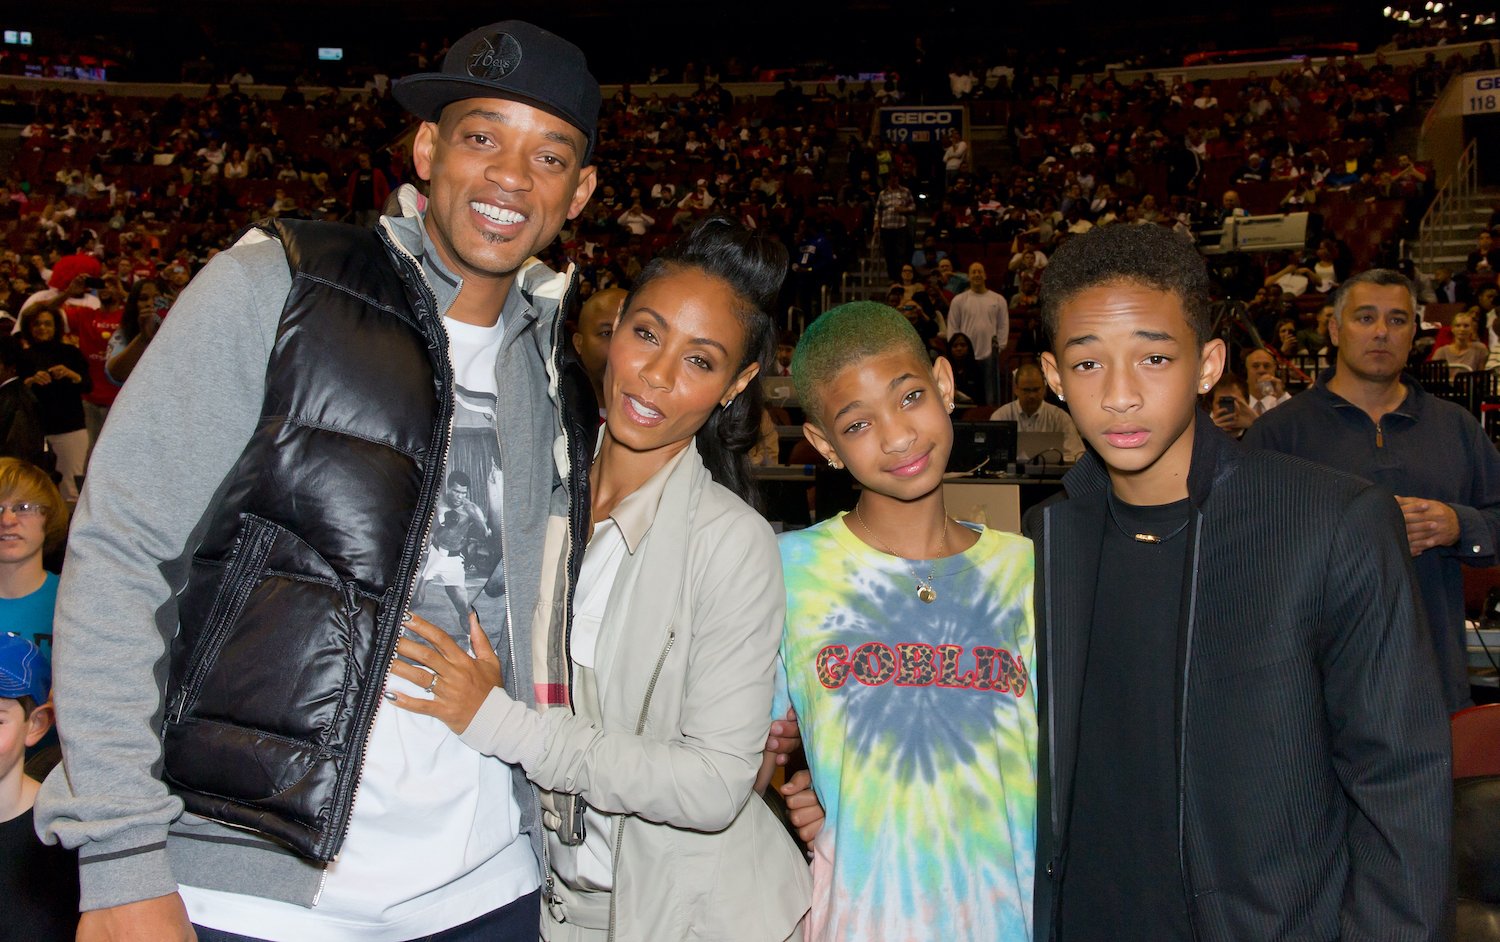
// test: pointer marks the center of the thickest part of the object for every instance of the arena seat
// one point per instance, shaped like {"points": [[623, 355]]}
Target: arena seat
{"points": [[1476, 857]]}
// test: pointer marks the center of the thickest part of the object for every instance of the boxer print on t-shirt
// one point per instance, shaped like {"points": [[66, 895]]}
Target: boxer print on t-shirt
{"points": [[463, 553]]}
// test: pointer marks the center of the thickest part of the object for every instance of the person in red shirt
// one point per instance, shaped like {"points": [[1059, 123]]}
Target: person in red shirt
{"points": [[93, 326]]}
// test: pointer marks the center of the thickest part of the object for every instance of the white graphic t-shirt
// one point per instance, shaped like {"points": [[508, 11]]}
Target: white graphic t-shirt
{"points": [[435, 837]]}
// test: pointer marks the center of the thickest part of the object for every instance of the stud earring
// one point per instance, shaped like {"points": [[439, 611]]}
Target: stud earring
{"points": [[832, 463], [729, 403]]}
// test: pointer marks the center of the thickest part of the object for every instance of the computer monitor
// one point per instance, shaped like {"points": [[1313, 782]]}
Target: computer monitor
{"points": [[1044, 446], [982, 447]]}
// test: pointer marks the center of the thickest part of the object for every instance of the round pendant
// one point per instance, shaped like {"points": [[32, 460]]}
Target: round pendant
{"points": [[927, 593]]}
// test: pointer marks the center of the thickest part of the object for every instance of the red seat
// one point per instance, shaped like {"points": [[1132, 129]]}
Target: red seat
{"points": [[803, 452], [1476, 741], [1310, 302], [1442, 313], [1261, 198]]}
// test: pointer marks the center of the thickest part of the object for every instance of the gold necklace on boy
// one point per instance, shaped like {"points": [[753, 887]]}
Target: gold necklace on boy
{"points": [[1109, 501], [925, 591]]}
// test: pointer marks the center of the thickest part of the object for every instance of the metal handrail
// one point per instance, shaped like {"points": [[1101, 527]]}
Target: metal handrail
{"points": [[1448, 207]]}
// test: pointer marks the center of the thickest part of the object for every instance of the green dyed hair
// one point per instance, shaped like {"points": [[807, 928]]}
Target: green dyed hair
{"points": [[843, 337]]}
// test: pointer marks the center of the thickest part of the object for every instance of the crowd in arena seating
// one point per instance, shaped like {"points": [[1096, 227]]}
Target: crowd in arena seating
{"points": [[1314, 138], [157, 186], [182, 174], [155, 180], [666, 162], [113, 203]]}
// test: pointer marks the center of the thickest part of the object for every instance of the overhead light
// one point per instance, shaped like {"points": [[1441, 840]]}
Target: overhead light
{"points": [[1437, 8]]}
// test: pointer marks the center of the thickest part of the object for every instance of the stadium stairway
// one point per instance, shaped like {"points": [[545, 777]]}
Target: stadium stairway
{"points": [[1451, 243]]}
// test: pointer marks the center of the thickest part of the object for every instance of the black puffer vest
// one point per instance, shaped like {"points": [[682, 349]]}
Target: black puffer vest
{"points": [[290, 615]]}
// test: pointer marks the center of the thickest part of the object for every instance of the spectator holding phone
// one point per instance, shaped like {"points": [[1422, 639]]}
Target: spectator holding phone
{"points": [[1229, 405], [138, 324]]}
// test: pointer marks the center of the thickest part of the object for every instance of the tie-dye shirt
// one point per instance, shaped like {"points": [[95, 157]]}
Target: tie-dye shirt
{"points": [[919, 722]]}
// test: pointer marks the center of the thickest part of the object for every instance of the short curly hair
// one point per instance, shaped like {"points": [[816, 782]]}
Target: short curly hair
{"points": [[1149, 255], [842, 337]]}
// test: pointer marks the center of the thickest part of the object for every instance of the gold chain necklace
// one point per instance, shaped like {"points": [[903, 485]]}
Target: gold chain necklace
{"points": [[1109, 502], [925, 591]]}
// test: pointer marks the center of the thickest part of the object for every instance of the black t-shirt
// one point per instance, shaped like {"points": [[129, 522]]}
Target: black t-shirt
{"points": [[60, 401], [363, 193], [1123, 879], [38, 884], [21, 433]]}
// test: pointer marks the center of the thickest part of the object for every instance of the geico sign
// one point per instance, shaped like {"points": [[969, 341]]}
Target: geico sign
{"points": [[922, 117], [1487, 82]]}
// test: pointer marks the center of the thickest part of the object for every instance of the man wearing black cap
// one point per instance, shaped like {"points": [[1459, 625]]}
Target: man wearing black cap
{"points": [[256, 530]]}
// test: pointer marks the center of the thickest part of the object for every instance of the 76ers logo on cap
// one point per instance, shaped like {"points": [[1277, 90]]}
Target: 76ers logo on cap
{"points": [[495, 57]]}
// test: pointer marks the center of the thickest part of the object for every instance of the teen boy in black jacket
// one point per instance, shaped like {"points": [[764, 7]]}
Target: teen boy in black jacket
{"points": [[1234, 744]]}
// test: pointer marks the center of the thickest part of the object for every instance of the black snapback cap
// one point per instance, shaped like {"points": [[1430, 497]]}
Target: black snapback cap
{"points": [[512, 60]]}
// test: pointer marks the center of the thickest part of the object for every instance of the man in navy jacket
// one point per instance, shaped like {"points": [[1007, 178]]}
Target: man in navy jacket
{"points": [[1367, 418]]}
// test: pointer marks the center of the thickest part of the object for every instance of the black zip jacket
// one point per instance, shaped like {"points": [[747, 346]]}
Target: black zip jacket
{"points": [[1313, 789]]}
